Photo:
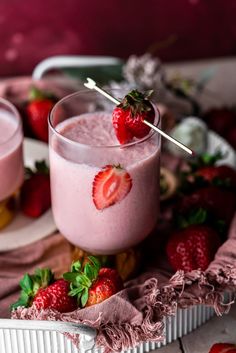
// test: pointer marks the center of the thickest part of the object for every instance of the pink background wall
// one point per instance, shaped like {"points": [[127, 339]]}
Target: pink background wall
{"points": [[31, 30]]}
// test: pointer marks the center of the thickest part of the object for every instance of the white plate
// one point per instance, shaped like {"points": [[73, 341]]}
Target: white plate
{"points": [[24, 230]]}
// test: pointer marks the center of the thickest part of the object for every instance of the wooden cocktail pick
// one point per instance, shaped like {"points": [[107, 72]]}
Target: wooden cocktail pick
{"points": [[91, 84]]}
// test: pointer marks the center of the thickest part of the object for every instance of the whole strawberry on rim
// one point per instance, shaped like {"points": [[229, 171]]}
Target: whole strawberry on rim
{"points": [[128, 116]]}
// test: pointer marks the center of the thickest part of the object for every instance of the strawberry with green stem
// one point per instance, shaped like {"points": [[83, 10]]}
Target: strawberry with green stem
{"points": [[204, 171], [212, 199], [128, 116], [44, 292], [37, 111], [92, 284]]}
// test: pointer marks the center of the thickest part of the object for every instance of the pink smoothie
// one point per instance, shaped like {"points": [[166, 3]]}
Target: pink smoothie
{"points": [[11, 159], [73, 169]]}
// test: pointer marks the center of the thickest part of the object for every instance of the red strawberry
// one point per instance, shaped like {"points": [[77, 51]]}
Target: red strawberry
{"points": [[55, 297], [128, 116], [35, 197], [223, 348], [107, 283], [44, 292], [220, 119], [213, 199], [119, 124], [223, 172], [192, 248], [93, 284], [110, 186], [37, 113]]}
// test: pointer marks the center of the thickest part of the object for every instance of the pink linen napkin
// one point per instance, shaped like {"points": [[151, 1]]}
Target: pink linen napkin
{"points": [[53, 252]]}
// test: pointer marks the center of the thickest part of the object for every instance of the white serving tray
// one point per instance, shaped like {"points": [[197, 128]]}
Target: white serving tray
{"points": [[23, 336]]}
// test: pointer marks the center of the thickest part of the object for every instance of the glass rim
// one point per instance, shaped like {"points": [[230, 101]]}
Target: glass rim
{"points": [[16, 114], [84, 145]]}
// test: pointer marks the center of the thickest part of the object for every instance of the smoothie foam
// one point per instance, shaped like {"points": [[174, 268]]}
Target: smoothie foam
{"points": [[121, 225]]}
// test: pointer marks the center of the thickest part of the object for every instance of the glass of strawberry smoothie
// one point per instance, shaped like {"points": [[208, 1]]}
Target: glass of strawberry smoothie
{"points": [[105, 196], [11, 158]]}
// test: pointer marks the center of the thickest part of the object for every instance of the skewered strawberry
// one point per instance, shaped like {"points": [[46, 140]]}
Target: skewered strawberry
{"points": [[128, 116]]}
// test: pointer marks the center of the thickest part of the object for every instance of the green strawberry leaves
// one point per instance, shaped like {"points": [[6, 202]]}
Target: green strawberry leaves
{"points": [[37, 94], [198, 216], [84, 297], [205, 160], [82, 279], [30, 285], [203, 217], [137, 102], [40, 167]]}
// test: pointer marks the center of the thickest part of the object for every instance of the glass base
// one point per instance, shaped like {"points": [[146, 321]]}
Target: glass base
{"points": [[7, 210]]}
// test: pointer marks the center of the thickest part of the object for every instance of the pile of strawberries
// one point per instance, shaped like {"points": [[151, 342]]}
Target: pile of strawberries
{"points": [[203, 212], [85, 285]]}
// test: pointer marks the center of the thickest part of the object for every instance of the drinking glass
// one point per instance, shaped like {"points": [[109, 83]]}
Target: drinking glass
{"points": [[75, 164], [11, 159]]}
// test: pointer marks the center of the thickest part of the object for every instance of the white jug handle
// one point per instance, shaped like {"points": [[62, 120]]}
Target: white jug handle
{"points": [[72, 61]]}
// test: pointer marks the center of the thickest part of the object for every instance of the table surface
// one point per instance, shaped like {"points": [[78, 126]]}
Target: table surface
{"points": [[217, 329]]}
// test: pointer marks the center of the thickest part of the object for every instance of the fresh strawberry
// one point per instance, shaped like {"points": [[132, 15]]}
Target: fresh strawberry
{"points": [[222, 173], [220, 120], [223, 348], [128, 116], [92, 284], [213, 199], [107, 283], [55, 297], [192, 248], [37, 111], [35, 196], [119, 124], [110, 186], [31, 284], [42, 290]]}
